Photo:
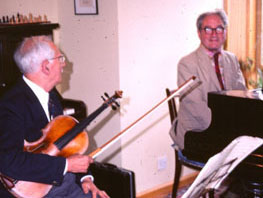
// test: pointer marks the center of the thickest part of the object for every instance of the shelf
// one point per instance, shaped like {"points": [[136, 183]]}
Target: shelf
{"points": [[27, 27]]}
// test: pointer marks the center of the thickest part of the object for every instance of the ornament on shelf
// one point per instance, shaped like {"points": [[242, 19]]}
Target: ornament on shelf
{"points": [[23, 19]]}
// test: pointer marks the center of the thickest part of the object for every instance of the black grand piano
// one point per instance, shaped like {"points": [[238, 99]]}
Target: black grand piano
{"points": [[236, 113]]}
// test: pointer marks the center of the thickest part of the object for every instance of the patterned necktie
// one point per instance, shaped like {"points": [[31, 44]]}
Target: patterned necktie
{"points": [[218, 73], [51, 108]]}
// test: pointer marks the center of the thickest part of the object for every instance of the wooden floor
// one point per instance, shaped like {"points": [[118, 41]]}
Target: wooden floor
{"points": [[164, 191]]}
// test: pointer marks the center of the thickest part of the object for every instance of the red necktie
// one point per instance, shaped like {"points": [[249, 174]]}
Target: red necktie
{"points": [[218, 73]]}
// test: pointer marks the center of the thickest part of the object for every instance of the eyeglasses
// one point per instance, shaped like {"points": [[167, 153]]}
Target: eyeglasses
{"points": [[60, 58], [217, 30]]}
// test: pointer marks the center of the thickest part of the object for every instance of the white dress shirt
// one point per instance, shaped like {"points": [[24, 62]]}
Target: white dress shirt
{"points": [[43, 97]]}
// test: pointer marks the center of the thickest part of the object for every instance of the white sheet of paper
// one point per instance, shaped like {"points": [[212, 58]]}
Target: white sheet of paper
{"points": [[219, 166]]}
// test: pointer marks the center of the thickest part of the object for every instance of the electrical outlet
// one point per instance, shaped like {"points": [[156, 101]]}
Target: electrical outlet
{"points": [[161, 163]]}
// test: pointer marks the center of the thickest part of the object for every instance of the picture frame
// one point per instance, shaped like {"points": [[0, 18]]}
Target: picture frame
{"points": [[86, 7]]}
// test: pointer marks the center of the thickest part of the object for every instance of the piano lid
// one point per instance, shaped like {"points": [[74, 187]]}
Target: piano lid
{"points": [[237, 111], [249, 94]]}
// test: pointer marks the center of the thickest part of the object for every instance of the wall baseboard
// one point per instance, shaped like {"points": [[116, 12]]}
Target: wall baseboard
{"points": [[167, 187]]}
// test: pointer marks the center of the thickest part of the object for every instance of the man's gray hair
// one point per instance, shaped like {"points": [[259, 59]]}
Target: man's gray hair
{"points": [[219, 12], [32, 52]]}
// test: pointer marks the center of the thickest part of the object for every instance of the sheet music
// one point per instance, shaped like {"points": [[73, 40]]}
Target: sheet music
{"points": [[222, 164], [256, 93]]}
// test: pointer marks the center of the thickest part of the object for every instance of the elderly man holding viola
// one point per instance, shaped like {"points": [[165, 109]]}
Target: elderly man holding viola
{"points": [[24, 112]]}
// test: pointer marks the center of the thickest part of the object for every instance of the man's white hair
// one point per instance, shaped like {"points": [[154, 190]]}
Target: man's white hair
{"points": [[32, 52]]}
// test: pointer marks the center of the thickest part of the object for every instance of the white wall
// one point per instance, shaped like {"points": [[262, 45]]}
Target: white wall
{"points": [[133, 46], [90, 43], [36, 8]]}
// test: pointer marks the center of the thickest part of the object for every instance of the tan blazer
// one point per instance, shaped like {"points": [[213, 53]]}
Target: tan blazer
{"points": [[194, 114]]}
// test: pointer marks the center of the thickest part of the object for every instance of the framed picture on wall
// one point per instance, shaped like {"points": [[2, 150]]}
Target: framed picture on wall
{"points": [[86, 7]]}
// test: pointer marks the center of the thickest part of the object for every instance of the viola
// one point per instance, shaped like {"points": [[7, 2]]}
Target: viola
{"points": [[64, 136]]}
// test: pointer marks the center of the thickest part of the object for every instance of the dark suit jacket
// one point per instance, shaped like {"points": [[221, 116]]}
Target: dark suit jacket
{"points": [[22, 118]]}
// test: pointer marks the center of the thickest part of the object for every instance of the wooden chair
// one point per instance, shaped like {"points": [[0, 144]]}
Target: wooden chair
{"points": [[180, 159]]}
